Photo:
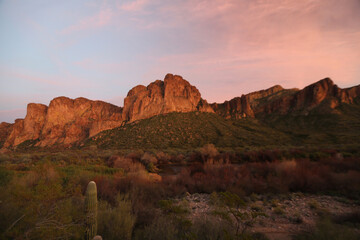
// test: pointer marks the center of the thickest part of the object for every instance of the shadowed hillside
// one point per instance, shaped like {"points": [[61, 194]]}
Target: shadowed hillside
{"points": [[191, 130], [187, 131]]}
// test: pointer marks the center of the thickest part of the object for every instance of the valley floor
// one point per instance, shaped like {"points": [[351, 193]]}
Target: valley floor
{"points": [[280, 217]]}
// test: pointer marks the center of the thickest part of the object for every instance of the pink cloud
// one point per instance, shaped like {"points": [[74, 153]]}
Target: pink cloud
{"points": [[134, 5], [18, 73], [65, 80], [102, 18]]}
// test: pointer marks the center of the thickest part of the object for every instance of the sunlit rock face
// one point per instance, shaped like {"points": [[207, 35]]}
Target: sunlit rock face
{"points": [[174, 94], [65, 121], [28, 128], [287, 101], [69, 120], [5, 130]]}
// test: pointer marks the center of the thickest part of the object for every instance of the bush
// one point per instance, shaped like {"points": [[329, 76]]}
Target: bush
{"points": [[327, 230], [160, 228], [208, 152], [116, 222]]}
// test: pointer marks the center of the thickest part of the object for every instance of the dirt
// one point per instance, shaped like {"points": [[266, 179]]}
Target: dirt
{"points": [[281, 216]]}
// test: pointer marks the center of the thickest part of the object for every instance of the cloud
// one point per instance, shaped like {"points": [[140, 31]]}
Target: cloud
{"points": [[255, 44], [100, 19], [7, 72], [134, 5]]}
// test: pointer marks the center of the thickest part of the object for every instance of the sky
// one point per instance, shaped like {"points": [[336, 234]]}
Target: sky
{"points": [[100, 49]]}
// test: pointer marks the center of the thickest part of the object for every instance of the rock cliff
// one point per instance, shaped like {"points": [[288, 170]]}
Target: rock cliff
{"points": [[5, 130], [174, 94], [287, 101], [28, 128], [65, 121]]}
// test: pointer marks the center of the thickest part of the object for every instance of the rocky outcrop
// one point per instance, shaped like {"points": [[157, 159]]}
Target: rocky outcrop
{"points": [[69, 121], [238, 107], [244, 106], [174, 94], [285, 101], [65, 121], [30, 127], [5, 130]]}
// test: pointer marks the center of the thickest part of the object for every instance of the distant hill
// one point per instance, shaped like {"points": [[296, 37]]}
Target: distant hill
{"points": [[172, 114]]}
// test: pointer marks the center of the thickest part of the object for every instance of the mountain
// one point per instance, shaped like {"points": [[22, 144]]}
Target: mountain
{"points": [[65, 121], [258, 117], [174, 94], [287, 101]]}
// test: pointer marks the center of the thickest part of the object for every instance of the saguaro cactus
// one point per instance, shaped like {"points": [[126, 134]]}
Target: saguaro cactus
{"points": [[91, 211]]}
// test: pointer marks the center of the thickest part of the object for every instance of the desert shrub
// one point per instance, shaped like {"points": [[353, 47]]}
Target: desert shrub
{"points": [[116, 222], [279, 210], [5, 176], [35, 204], [212, 228], [327, 230], [296, 218], [4, 158], [169, 207], [313, 204], [163, 158], [232, 208], [144, 197], [160, 228], [106, 188], [128, 164], [300, 175], [149, 162], [350, 219], [208, 152], [136, 156], [111, 160]]}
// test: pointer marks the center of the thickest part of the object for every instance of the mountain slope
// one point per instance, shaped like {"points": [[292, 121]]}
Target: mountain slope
{"points": [[194, 129], [319, 126], [187, 131]]}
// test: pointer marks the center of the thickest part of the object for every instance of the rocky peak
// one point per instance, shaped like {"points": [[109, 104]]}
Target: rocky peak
{"points": [[174, 94], [313, 94]]}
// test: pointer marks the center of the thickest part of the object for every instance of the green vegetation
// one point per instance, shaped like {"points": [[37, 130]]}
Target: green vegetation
{"points": [[321, 127], [338, 128], [42, 194], [326, 229], [117, 221], [188, 131]]}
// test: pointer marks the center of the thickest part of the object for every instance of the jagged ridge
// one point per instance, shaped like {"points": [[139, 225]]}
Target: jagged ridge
{"points": [[287, 101], [67, 121]]}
